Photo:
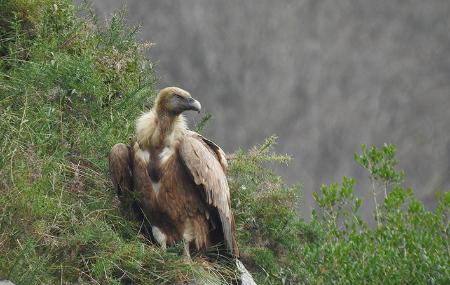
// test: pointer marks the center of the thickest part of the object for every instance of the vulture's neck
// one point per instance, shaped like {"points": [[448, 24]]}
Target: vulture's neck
{"points": [[156, 130]]}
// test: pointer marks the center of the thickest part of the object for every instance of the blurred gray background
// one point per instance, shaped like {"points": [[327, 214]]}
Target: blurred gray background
{"points": [[324, 75]]}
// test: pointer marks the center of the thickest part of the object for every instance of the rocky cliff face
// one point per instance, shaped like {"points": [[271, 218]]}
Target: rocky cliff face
{"points": [[324, 75]]}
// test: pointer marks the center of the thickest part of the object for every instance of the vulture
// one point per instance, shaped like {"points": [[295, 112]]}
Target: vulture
{"points": [[178, 178]]}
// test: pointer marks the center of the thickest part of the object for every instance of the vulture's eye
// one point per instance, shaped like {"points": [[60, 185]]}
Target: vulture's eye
{"points": [[179, 97]]}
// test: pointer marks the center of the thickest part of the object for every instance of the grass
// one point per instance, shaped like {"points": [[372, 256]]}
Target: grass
{"points": [[70, 88]]}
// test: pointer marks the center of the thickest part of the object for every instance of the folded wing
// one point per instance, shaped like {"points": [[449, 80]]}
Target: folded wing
{"points": [[207, 164]]}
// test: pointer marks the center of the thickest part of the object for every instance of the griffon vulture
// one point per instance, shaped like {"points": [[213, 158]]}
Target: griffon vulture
{"points": [[179, 177]]}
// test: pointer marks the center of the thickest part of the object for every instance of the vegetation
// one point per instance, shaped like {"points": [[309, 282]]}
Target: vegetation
{"points": [[71, 88]]}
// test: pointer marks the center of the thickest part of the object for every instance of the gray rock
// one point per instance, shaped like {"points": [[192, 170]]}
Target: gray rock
{"points": [[246, 277]]}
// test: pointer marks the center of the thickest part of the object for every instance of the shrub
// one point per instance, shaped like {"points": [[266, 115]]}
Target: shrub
{"points": [[409, 245], [270, 232]]}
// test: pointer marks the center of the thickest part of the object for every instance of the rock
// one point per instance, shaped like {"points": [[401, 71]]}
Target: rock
{"points": [[246, 277]]}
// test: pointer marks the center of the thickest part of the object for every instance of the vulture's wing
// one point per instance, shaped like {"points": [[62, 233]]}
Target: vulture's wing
{"points": [[207, 165], [120, 169]]}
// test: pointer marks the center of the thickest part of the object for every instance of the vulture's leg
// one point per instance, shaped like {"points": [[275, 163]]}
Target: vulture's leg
{"points": [[120, 169], [159, 236], [186, 249]]}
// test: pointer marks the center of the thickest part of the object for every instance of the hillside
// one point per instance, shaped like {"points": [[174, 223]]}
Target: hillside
{"points": [[70, 88]]}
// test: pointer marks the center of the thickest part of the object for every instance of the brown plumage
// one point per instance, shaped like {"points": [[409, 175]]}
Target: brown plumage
{"points": [[180, 177]]}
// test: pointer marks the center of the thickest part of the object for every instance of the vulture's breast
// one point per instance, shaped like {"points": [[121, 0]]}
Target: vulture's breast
{"points": [[161, 168]]}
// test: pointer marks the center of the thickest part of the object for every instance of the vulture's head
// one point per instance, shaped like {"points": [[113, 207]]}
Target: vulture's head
{"points": [[174, 101]]}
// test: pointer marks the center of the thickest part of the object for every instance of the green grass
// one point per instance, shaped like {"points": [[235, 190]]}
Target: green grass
{"points": [[71, 88]]}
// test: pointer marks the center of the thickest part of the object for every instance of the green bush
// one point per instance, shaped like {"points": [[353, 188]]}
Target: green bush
{"points": [[269, 230], [409, 244]]}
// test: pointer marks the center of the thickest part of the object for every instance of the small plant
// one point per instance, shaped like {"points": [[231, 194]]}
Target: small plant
{"points": [[200, 126], [381, 167], [339, 206]]}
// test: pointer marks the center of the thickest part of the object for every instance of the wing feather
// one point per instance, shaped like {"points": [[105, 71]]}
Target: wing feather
{"points": [[205, 161]]}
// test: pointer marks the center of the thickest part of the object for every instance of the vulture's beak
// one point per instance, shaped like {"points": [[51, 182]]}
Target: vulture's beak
{"points": [[194, 104]]}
